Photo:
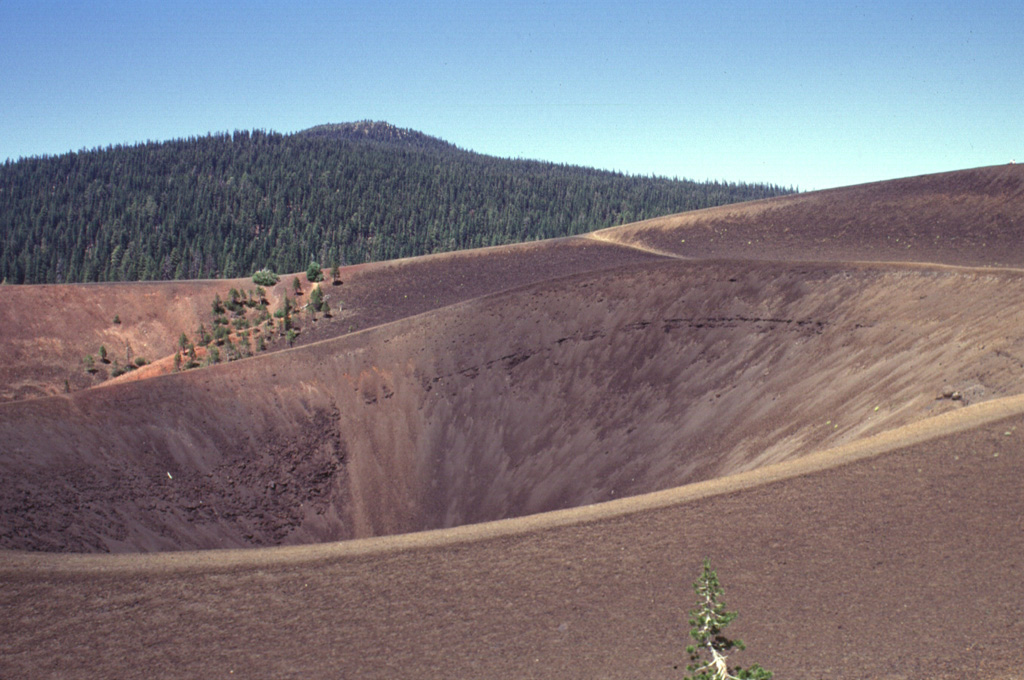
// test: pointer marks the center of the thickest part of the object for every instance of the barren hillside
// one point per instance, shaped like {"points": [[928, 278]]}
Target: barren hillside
{"points": [[510, 462]]}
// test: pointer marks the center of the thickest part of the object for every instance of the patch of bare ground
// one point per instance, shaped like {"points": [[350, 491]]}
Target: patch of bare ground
{"points": [[972, 218], [530, 450]]}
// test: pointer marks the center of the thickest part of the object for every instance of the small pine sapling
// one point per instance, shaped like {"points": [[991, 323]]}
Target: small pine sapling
{"points": [[316, 299], [708, 620]]}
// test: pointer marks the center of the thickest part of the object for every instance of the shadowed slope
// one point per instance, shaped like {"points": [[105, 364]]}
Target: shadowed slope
{"points": [[573, 391], [823, 568]]}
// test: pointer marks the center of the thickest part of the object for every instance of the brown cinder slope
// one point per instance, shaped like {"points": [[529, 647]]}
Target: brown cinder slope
{"points": [[902, 565], [573, 391], [47, 330], [734, 378], [970, 217]]}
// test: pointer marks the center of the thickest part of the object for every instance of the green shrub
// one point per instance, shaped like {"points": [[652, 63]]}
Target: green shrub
{"points": [[265, 277]]}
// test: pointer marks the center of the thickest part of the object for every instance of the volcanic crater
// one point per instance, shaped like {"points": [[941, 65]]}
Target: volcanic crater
{"points": [[822, 392], [577, 390]]}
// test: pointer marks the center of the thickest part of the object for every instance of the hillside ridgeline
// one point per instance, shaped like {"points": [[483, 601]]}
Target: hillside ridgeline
{"points": [[225, 205]]}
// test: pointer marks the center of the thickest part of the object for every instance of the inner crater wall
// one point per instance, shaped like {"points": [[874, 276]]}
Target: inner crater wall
{"points": [[574, 391]]}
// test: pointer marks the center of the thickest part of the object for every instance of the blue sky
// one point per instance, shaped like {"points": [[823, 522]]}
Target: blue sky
{"points": [[810, 94]]}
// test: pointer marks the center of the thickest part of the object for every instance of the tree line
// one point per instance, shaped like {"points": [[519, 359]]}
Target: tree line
{"points": [[226, 205]]}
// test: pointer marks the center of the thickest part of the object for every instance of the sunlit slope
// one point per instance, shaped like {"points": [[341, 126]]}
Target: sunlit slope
{"points": [[969, 217], [48, 330], [572, 391]]}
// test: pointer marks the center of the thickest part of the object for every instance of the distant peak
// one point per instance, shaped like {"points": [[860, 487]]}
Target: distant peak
{"points": [[376, 131]]}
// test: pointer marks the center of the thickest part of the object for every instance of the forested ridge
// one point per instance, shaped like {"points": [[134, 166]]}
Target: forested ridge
{"points": [[226, 205]]}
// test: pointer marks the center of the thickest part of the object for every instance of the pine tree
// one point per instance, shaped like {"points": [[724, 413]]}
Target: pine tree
{"points": [[709, 619], [316, 299]]}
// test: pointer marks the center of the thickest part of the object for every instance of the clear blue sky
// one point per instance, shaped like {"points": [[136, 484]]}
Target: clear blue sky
{"points": [[814, 94]]}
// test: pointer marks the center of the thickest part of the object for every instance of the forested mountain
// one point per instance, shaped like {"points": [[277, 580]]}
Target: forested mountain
{"points": [[225, 205]]}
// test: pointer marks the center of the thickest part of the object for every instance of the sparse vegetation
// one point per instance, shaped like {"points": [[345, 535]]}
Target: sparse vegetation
{"points": [[708, 659], [234, 337]]}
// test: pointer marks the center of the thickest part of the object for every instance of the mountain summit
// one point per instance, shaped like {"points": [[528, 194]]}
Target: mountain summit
{"points": [[377, 131]]}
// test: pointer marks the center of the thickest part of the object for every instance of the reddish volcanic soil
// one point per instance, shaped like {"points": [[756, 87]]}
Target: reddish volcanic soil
{"points": [[511, 462]]}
